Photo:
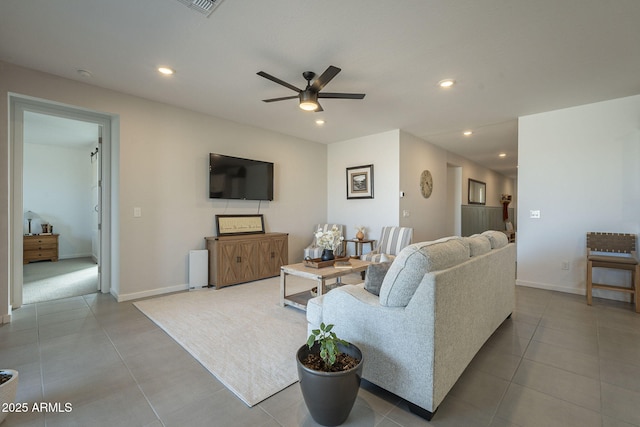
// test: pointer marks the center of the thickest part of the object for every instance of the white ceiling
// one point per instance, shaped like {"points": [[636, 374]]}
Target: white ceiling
{"points": [[509, 58], [51, 130]]}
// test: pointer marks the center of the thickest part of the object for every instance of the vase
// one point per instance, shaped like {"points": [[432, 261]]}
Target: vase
{"points": [[327, 255], [329, 396], [359, 235]]}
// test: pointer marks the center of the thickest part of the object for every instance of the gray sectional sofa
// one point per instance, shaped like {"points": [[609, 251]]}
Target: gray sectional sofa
{"points": [[420, 323]]}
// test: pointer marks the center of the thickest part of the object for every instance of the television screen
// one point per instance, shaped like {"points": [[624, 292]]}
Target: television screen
{"points": [[237, 178]]}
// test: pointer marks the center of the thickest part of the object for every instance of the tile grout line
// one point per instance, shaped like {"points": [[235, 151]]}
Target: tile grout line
{"points": [[146, 398]]}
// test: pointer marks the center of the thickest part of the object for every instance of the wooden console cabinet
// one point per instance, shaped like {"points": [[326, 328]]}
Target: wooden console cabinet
{"points": [[243, 258], [40, 247]]}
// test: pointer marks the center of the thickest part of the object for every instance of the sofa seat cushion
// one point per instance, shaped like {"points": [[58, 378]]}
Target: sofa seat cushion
{"points": [[497, 238], [478, 244], [414, 261]]}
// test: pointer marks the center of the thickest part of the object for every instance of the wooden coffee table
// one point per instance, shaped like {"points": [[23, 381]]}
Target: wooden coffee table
{"points": [[319, 275]]}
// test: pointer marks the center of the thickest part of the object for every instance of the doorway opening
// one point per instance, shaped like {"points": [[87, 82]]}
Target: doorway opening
{"points": [[60, 201], [61, 182]]}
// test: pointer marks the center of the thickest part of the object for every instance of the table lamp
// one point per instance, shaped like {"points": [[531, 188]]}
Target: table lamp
{"points": [[29, 216]]}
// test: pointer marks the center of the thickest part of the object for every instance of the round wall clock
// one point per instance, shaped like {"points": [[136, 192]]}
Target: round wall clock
{"points": [[426, 183]]}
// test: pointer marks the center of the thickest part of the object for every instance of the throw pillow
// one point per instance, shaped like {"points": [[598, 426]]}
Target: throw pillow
{"points": [[374, 277]]}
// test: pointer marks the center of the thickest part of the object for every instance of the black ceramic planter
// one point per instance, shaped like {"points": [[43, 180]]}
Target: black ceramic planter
{"points": [[329, 396]]}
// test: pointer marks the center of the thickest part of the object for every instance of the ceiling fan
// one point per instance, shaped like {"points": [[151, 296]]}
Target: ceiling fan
{"points": [[309, 96]]}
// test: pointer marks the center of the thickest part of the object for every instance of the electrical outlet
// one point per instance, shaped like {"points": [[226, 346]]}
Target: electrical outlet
{"points": [[137, 212], [566, 265]]}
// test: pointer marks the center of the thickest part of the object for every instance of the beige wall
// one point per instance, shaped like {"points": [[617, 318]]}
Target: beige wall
{"points": [[580, 168], [399, 158], [496, 184], [382, 151], [427, 217], [162, 167]]}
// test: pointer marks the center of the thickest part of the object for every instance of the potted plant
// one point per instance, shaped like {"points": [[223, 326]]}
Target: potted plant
{"points": [[329, 370], [8, 390], [329, 241]]}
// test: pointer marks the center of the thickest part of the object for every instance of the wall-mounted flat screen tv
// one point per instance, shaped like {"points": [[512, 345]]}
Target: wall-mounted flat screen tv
{"points": [[238, 178]]}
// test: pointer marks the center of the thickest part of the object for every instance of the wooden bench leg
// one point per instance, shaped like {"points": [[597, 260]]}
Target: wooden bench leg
{"points": [[636, 283], [589, 282]]}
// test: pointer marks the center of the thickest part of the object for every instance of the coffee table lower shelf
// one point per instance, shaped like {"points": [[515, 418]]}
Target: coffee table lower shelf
{"points": [[298, 300], [319, 276]]}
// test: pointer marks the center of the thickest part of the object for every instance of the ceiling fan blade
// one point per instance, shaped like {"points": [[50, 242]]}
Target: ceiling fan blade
{"points": [[277, 80], [325, 78], [280, 99], [341, 95]]}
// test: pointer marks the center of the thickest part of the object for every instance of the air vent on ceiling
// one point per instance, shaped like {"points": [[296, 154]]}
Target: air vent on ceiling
{"points": [[205, 7]]}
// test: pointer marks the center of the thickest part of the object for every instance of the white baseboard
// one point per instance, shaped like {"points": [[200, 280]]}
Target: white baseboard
{"points": [[71, 256], [581, 290], [565, 289], [150, 293], [6, 318]]}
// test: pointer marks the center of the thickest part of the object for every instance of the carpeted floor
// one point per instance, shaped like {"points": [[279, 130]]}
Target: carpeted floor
{"points": [[46, 280], [239, 333]]}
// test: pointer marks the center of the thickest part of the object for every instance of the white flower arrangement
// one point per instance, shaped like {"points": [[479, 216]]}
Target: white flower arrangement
{"points": [[329, 239]]}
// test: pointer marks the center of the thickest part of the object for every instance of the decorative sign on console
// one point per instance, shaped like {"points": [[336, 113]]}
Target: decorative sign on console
{"points": [[239, 224]]}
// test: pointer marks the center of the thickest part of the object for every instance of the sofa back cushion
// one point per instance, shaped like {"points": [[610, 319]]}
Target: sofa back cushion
{"points": [[497, 238], [478, 244], [414, 261]]}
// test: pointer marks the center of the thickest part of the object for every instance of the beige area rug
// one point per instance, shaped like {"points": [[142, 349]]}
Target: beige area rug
{"points": [[239, 333]]}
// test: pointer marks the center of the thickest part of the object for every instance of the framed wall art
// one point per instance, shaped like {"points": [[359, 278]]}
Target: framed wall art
{"points": [[239, 224], [360, 182]]}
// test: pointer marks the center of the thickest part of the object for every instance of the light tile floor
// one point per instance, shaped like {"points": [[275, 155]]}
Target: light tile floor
{"points": [[556, 362]]}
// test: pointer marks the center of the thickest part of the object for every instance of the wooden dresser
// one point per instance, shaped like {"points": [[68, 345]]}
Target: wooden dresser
{"points": [[40, 247], [244, 258]]}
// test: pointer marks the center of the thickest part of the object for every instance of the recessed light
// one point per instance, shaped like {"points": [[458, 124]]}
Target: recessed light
{"points": [[467, 133], [320, 122], [502, 155], [446, 83], [166, 71]]}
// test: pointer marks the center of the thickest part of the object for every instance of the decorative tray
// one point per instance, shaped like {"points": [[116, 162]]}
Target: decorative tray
{"points": [[318, 263]]}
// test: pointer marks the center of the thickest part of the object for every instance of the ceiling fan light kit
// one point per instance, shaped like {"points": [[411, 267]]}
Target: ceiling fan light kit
{"points": [[308, 98]]}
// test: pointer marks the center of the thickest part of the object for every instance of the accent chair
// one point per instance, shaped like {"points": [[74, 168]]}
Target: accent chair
{"points": [[392, 241]]}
